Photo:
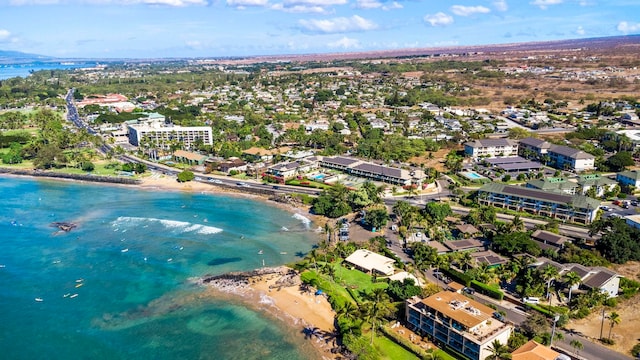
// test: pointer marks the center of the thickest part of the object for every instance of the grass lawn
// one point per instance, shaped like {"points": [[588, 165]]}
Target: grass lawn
{"points": [[311, 184], [390, 350], [359, 282]]}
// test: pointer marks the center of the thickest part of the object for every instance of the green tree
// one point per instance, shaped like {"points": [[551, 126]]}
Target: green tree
{"points": [[577, 346], [571, 279], [620, 161], [614, 319], [185, 176], [498, 351], [377, 218]]}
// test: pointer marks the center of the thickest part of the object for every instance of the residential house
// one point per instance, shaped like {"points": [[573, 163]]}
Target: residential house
{"points": [[605, 280], [463, 245], [573, 208], [291, 169], [466, 230], [549, 240], [457, 321], [491, 148], [489, 257], [370, 262], [534, 351], [256, 154]]}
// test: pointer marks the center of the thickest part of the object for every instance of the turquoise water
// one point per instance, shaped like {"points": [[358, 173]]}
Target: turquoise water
{"points": [[472, 175], [117, 286]]}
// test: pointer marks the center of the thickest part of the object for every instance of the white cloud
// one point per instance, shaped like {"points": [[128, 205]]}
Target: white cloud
{"points": [[393, 5], [177, 3], [368, 4], [501, 5], [315, 2], [580, 30], [345, 43], [338, 25], [299, 8], [625, 27], [438, 19], [4, 34], [244, 3], [461, 10], [543, 4]]}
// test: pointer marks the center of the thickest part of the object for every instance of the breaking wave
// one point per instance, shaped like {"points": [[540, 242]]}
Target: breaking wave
{"points": [[305, 220], [181, 226]]}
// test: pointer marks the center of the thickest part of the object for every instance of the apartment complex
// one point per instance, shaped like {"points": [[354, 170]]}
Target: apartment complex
{"points": [[491, 148], [455, 321], [630, 178], [156, 133], [572, 208], [387, 174], [558, 156]]}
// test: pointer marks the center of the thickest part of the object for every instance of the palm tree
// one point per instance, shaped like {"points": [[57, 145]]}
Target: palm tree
{"points": [[498, 351], [614, 319], [571, 279], [577, 345], [548, 273], [517, 224], [376, 309]]}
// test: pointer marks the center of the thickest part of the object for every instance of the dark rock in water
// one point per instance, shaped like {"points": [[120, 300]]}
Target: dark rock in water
{"points": [[64, 226]]}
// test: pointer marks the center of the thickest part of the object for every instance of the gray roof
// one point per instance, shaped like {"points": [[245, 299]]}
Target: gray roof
{"points": [[549, 237], [535, 143], [468, 244], [600, 278], [379, 169], [520, 166], [505, 160], [339, 160], [491, 143], [570, 152], [489, 258], [578, 201]]}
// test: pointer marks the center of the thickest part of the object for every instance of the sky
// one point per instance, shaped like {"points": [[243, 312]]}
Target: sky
{"points": [[222, 28]]}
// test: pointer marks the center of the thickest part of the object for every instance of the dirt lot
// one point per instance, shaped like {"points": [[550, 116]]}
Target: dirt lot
{"points": [[627, 333], [437, 162]]}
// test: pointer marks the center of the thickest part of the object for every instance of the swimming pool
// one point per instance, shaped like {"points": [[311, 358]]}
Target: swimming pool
{"points": [[319, 176], [471, 175]]}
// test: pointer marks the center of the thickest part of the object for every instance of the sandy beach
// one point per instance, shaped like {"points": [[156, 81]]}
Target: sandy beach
{"points": [[280, 296]]}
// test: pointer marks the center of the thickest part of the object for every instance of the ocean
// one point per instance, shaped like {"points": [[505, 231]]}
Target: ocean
{"points": [[8, 71], [118, 285]]}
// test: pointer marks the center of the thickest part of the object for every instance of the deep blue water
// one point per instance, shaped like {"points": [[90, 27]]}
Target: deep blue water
{"points": [[129, 261], [23, 70]]}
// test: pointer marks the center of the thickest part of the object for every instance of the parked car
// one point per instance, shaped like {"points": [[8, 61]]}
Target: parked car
{"points": [[469, 290], [606, 208], [634, 203], [498, 316], [531, 300]]}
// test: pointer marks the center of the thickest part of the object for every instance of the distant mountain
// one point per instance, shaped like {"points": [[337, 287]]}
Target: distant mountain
{"points": [[17, 57]]}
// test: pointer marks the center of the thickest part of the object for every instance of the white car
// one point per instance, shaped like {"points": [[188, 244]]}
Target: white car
{"points": [[531, 300]]}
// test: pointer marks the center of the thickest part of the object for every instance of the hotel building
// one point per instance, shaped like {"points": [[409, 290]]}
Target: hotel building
{"points": [[452, 320], [491, 148], [160, 135]]}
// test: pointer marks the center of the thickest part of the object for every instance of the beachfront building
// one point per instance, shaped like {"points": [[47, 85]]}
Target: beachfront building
{"points": [[370, 262], [572, 208], [375, 172], [455, 321], [288, 170], [558, 156], [190, 158], [491, 148], [629, 178], [153, 131]]}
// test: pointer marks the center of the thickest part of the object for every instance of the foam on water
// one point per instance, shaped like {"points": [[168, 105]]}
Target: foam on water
{"points": [[305, 220], [181, 226]]}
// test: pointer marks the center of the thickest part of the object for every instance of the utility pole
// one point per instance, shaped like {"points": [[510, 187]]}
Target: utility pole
{"points": [[602, 324]]}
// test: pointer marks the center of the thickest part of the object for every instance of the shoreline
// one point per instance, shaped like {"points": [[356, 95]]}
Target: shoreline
{"points": [[277, 293], [294, 309]]}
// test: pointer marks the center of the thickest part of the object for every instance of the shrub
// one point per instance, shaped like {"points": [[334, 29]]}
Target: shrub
{"points": [[88, 166], [487, 290], [457, 276], [635, 351], [185, 176], [608, 341]]}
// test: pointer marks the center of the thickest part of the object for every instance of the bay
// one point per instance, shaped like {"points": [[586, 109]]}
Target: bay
{"points": [[118, 286], [8, 71]]}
